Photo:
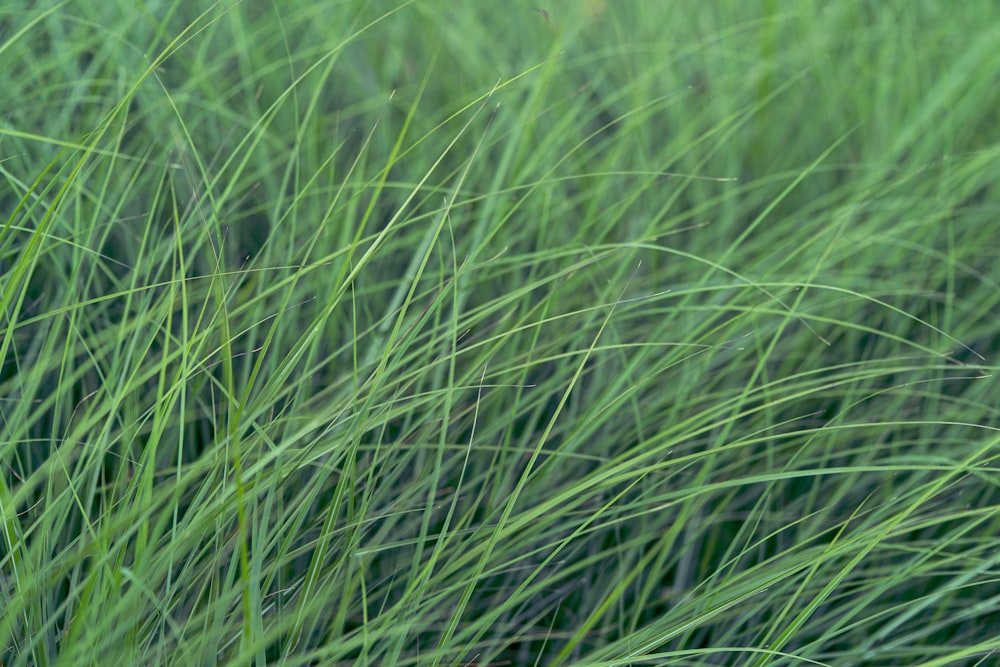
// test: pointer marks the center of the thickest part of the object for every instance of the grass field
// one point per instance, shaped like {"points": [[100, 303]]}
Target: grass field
{"points": [[592, 334]]}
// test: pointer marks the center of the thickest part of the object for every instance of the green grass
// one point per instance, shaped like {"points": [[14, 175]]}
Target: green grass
{"points": [[439, 333]]}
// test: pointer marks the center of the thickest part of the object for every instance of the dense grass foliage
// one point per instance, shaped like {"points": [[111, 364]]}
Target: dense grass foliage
{"points": [[462, 333]]}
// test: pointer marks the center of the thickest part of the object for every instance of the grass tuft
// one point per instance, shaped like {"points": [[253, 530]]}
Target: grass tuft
{"points": [[587, 335]]}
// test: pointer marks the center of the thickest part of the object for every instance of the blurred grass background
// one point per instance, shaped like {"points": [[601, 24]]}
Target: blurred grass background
{"points": [[435, 333]]}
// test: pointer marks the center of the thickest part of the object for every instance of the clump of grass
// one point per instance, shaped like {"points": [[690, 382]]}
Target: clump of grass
{"points": [[426, 334]]}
